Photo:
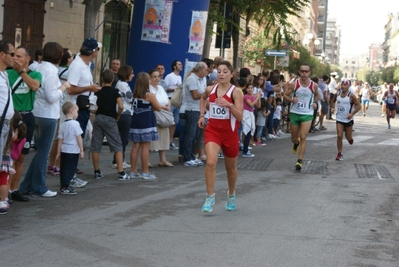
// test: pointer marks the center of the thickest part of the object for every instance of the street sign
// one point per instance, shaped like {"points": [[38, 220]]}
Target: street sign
{"points": [[276, 53]]}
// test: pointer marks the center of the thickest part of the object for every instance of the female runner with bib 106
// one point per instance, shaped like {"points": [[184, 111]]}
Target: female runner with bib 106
{"points": [[225, 113]]}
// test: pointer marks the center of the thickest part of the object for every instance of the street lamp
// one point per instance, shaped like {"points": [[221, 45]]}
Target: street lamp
{"points": [[307, 42], [323, 58]]}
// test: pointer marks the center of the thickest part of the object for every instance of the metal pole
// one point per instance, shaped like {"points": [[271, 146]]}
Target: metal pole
{"points": [[274, 65], [221, 52]]}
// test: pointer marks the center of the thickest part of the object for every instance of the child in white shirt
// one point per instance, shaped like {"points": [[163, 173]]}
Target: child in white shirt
{"points": [[70, 147]]}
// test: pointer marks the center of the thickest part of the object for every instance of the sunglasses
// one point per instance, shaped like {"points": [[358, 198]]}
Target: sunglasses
{"points": [[11, 54], [304, 71]]}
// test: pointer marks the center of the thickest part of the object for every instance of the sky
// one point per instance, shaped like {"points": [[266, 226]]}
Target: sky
{"points": [[362, 22]]}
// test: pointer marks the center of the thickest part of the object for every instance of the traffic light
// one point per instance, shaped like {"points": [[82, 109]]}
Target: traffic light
{"points": [[228, 16]]}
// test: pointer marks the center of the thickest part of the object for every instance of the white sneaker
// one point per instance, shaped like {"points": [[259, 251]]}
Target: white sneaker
{"points": [[199, 162], [126, 165], [4, 205], [148, 176], [280, 132], [248, 155], [49, 193], [272, 136]]}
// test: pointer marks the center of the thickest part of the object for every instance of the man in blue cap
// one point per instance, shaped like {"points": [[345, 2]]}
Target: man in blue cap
{"points": [[82, 86]]}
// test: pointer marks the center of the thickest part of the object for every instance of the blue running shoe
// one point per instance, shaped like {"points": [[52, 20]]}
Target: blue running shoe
{"points": [[209, 202], [231, 202], [389, 126]]}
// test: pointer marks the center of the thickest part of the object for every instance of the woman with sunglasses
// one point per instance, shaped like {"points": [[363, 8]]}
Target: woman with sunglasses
{"points": [[303, 96]]}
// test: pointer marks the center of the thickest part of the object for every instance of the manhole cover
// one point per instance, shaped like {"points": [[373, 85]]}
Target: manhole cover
{"points": [[254, 164], [314, 167], [372, 171]]}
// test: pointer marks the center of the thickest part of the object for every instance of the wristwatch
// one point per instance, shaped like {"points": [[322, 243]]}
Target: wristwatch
{"points": [[22, 71]]}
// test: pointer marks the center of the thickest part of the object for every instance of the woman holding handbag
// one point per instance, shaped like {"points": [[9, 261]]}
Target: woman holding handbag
{"points": [[163, 132]]}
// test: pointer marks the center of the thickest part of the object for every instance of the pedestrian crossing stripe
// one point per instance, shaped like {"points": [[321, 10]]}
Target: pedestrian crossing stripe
{"points": [[389, 142], [361, 138], [320, 137], [357, 139]]}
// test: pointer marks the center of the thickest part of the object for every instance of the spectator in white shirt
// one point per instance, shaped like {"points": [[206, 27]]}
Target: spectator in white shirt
{"points": [[47, 113]]}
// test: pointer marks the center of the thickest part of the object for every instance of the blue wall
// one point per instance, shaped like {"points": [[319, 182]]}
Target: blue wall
{"points": [[145, 55]]}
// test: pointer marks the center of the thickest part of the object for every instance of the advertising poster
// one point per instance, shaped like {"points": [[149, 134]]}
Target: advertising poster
{"points": [[283, 61], [188, 65], [197, 32], [18, 37], [157, 18]]}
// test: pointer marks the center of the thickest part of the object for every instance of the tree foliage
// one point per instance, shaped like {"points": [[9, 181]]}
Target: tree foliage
{"points": [[254, 54], [379, 75], [269, 14]]}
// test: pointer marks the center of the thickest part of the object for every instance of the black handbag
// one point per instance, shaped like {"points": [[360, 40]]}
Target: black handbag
{"points": [[83, 102]]}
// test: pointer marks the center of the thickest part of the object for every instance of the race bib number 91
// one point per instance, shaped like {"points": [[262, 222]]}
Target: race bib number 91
{"points": [[218, 112]]}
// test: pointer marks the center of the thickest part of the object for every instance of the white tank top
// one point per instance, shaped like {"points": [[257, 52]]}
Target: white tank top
{"points": [[344, 107], [305, 95]]}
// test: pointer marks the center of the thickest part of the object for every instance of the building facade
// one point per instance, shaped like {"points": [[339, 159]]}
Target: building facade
{"points": [[333, 41], [375, 57], [390, 44], [350, 66], [35, 22]]}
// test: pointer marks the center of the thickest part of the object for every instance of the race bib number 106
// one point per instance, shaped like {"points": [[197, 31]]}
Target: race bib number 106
{"points": [[218, 112]]}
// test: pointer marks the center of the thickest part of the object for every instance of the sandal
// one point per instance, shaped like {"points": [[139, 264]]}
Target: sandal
{"points": [[150, 165], [165, 164]]}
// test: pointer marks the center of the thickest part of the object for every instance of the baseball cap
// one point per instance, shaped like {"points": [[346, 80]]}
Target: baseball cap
{"points": [[91, 44], [333, 73], [346, 82]]}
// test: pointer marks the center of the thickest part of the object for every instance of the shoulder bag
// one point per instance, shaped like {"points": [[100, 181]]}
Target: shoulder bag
{"points": [[164, 118], [177, 96]]}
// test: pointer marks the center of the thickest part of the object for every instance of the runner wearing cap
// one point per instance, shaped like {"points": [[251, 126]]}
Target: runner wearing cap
{"points": [[347, 105]]}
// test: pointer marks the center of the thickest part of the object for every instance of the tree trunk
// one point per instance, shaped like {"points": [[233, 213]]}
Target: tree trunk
{"points": [[91, 11], [208, 39], [235, 36]]}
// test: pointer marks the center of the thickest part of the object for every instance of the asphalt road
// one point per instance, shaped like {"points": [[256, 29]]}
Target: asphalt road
{"points": [[332, 213]]}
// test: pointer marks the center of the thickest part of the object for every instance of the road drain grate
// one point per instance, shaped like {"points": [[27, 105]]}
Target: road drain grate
{"points": [[372, 171], [254, 164], [314, 167]]}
